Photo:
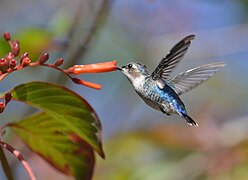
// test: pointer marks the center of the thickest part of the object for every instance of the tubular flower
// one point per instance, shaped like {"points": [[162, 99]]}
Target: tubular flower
{"points": [[93, 68], [86, 83], [13, 62]]}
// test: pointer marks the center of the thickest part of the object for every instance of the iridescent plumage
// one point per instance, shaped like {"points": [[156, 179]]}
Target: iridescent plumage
{"points": [[161, 92]]}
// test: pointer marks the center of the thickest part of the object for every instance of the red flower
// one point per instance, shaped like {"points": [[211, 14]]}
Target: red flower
{"points": [[93, 68]]}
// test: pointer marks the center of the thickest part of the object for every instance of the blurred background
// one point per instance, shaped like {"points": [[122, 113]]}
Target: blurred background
{"points": [[141, 143]]}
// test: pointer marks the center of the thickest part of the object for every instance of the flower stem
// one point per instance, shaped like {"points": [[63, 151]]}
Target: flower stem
{"points": [[5, 165], [19, 157]]}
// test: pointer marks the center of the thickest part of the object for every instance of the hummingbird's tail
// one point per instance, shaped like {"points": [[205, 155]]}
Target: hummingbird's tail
{"points": [[189, 120]]}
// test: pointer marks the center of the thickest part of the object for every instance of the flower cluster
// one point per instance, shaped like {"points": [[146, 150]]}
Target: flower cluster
{"points": [[9, 64], [12, 62]]}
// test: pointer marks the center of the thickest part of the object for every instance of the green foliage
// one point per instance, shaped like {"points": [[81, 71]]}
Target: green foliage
{"points": [[56, 143], [65, 107], [65, 132]]}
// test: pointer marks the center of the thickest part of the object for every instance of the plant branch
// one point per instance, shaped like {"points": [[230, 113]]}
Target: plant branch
{"points": [[19, 157], [5, 165], [53, 66]]}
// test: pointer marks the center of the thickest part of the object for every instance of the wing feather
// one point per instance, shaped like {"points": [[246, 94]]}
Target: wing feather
{"points": [[169, 62], [190, 79]]}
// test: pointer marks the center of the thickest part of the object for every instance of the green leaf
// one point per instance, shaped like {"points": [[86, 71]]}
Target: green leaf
{"points": [[65, 107], [56, 143]]}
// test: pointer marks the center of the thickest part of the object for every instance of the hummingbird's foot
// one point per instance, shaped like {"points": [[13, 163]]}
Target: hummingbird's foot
{"points": [[164, 111]]}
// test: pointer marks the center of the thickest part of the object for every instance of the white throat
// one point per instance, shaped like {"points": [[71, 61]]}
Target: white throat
{"points": [[138, 83]]}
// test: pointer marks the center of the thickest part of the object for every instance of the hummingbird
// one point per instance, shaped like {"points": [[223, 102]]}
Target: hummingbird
{"points": [[161, 92]]}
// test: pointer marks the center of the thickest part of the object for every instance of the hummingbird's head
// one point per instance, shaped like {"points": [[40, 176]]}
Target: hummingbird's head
{"points": [[134, 71]]}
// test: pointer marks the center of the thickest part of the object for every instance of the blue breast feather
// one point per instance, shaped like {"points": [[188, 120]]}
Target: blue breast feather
{"points": [[170, 97]]}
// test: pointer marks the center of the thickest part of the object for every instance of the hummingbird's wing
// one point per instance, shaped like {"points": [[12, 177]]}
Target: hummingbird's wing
{"points": [[169, 62], [190, 79]]}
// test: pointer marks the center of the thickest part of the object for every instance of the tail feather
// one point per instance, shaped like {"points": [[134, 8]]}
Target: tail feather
{"points": [[190, 121]]}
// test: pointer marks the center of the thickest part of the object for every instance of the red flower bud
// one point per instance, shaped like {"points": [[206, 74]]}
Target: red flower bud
{"points": [[59, 62], [93, 68], [16, 48], [9, 56], [12, 63], [6, 36], [26, 61], [8, 97], [43, 58], [4, 65], [23, 56], [86, 83], [2, 107]]}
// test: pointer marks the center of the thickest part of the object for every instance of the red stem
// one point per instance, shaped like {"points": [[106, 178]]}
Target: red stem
{"points": [[2, 76], [18, 155], [89, 84], [52, 66]]}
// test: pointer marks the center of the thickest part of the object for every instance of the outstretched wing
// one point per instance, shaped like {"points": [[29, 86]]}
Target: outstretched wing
{"points": [[190, 79], [168, 63]]}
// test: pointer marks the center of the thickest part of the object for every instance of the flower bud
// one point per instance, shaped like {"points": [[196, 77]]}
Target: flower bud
{"points": [[26, 61], [9, 56], [23, 56], [12, 63], [6, 36], [93, 68], [59, 62], [8, 97], [2, 107], [4, 65], [16, 48], [43, 58], [86, 83]]}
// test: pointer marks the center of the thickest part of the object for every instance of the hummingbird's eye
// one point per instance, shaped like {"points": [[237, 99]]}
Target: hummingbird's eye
{"points": [[129, 66]]}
